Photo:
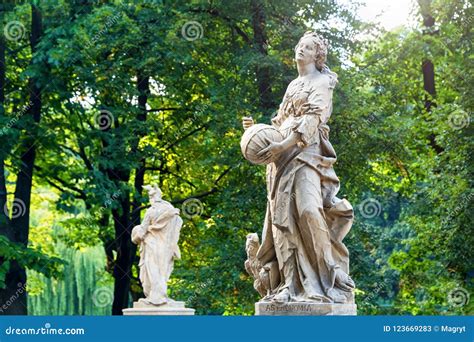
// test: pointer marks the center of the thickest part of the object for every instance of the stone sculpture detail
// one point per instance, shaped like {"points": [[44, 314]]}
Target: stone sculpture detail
{"points": [[157, 236], [302, 257]]}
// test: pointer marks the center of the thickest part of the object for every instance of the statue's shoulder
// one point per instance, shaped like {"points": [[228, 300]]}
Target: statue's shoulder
{"points": [[153, 210], [291, 84], [323, 81], [164, 205], [319, 78], [293, 81], [331, 76]]}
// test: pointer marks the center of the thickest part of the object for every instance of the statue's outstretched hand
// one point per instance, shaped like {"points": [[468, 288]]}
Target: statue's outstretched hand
{"points": [[273, 150], [138, 234], [247, 122]]}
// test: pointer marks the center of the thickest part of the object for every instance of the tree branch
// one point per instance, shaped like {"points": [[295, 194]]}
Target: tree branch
{"points": [[162, 109], [216, 13], [214, 189], [81, 193], [187, 135], [84, 157]]}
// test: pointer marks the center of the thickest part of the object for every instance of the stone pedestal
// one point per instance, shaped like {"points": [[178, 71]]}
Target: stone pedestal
{"points": [[304, 309], [170, 309]]}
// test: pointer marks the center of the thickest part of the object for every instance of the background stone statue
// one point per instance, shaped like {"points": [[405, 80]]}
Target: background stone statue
{"points": [[302, 250], [157, 237]]}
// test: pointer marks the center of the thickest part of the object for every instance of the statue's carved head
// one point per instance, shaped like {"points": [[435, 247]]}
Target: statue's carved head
{"points": [[154, 192], [312, 48], [252, 244]]}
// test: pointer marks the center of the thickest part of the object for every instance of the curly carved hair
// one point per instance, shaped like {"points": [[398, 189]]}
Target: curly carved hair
{"points": [[321, 45]]}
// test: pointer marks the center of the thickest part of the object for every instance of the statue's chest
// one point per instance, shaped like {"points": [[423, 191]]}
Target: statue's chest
{"points": [[298, 92]]}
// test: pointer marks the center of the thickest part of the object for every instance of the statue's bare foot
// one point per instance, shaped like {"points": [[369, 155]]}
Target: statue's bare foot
{"points": [[282, 297], [343, 281], [336, 296], [155, 302], [320, 298]]}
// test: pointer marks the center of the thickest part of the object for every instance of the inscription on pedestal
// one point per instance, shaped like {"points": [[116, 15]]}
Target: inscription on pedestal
{"points": [[304, 309]]}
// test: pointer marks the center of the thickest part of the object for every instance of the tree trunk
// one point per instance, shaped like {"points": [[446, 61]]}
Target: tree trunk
{"points": [[16, 277], [124, 220], [122, 269], [428, 83], [121, 219], [124, 223], [4, 219], [263, 73], [108, 242], [8, 294], [143, 89], [427, 67]]}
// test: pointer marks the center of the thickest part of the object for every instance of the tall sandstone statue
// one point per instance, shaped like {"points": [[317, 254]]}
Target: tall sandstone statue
{"points": [[301, 266], [157, 237]]}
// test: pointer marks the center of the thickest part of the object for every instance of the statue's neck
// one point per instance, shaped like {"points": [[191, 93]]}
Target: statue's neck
{"points": [[306, 69], [156, 201]]}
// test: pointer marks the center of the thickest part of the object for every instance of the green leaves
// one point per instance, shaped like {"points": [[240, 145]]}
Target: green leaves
{"points": [[405, 259], [27, 257]]}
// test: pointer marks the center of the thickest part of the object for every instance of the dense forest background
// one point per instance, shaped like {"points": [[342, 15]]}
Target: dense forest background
{"points": [[99, 97]]}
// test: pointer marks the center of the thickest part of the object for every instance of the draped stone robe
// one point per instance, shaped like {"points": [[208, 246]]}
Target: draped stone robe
{"points": [[305, 222], [158, 250]]}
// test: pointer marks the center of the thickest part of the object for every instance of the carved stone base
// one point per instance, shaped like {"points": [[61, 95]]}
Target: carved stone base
{"points": [[173, 308], [304, 309]]}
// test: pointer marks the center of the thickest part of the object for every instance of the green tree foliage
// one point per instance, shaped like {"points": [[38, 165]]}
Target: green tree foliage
{"points": [[154, 91], [423, 190], [85, 288]]}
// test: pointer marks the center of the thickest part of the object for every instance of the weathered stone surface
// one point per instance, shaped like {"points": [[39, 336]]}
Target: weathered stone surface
{"points": [[302, 257], [304, 309], [157, 236], [170, 309]]}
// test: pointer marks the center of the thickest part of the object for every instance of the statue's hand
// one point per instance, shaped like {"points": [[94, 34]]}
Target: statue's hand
{"points": [[138, 234], [272, 151], [247, 122]]}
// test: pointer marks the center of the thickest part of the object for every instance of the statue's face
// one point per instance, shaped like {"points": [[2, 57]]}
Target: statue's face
{"points": [[155, 196], [252, 244], [305, 51]]}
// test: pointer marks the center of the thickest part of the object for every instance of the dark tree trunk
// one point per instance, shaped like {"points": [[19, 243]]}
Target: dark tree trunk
{"points": [[16, 277], [122, 268], [3, 189], [126, 220], [143, 89], [428, 83], [427, 67], [121, 220], [263, 73], [8, 294], [108, 242]]}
